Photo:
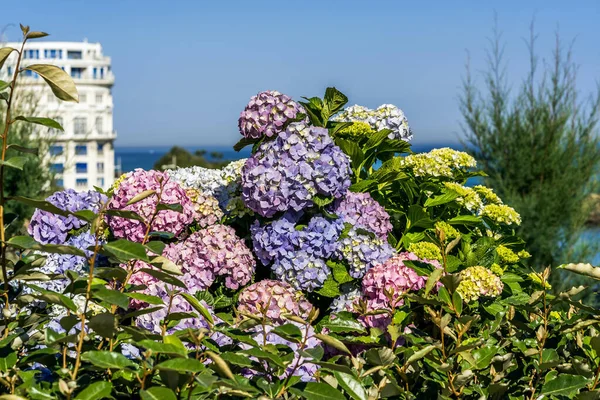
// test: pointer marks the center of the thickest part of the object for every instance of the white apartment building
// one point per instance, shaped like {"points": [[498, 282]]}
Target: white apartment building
{"points": [[83, 155]]}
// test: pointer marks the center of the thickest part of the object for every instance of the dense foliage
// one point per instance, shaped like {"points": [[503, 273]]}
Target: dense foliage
{"points": [[180, 157], [333, 263], [539, 145]]}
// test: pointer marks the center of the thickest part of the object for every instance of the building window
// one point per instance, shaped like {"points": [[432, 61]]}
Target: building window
{"points": [[99, 124], [57, 131], [74, 55], [57, 168], [100, 167], [81, 167], [10, 70], [52, 53], [31, 54], [100, 148], [79, 125], [81, 182], [81, 150], [83, 98], [31, 74], [56, 150], [100, 182], [59, 182], [77, 72], [99, 98]]}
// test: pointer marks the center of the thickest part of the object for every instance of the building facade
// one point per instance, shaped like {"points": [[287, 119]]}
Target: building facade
{"points": [[83, 155]]}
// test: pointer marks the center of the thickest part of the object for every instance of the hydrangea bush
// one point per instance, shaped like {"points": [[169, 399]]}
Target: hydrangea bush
{"points": [[333, 263]]}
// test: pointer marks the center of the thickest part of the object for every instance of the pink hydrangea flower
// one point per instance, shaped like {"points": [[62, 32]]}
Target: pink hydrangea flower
{"points": [[275, 299], [168, 191]]}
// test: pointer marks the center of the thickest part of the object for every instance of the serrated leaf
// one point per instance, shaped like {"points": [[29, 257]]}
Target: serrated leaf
{"points": [[441, 199], [97, 390], [49, 122], [59, 81], [330, 288], [582, 269]]}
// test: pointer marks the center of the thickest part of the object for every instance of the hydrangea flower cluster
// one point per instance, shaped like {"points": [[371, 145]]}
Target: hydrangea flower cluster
{"points": [[467, 196], [206, 207], [507, 255], [386, 116], [211, 253], [267, 113], [298, 255], [356, 131], [449, 231], [384, 285], [289, 171], [501, 214], [273, 299], [49, 228], [487, 194], [59, 264], [478, 281], [224, 184], [426, 250], [362, 251], [444, 162], [168, 191], [361, 210]]}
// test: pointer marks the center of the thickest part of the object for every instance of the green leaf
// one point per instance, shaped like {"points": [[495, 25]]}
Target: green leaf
{"points": [[4, 53], [441, 199], [97, 390], [125, 214], [104, 324], [352, 149], [146, 298], [433, 278], [4, 85], [333, 342], [363, 186], [7, 362], [107, 359], [380, 356], [564, 385], [316, 391], [29, 243], [111, 296], [220, 365], [49, 122], [243, 143], [465, 220], [376, 139], [198, 307], [164, 277], [22, 149], [166, 265], [418, 217], [351, 385], [183, 365], [15, 162], [333, 101], [59, 81], [289, 332], [484, 355], [417, 355], [125, 250], [330, 288], [158, 393], [169, 207], [339, 272], [53, 297], [163, 348], [237, 359], [141, 196], [156, 247], [457, 302]]}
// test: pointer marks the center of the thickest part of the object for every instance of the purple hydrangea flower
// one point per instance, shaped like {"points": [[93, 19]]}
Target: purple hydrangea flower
{"points": [[361, 252], [46, 227], [298, 256], [361, 210], [266, 114], [169, 192], [288, 172], [273, 299]]}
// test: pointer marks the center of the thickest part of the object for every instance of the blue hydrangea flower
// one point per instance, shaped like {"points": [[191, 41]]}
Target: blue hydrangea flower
{"points": [[362, 251]]}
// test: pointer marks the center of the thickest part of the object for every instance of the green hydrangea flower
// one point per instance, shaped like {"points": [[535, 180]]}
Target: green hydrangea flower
{"points": [[507, 255], [444, 162], [524, 254], [478, 281], [501, 214], [487, 194], [467, 196], [356, 131], [425, 250], [497, 269], [449, 231], [537, 279], [117, 183]]}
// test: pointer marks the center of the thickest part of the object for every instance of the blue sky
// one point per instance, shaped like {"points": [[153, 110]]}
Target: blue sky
{"points": [[185, 69]]}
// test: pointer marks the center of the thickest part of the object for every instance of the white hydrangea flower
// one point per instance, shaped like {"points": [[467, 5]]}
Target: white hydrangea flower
{"points": [[386, 116]]}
